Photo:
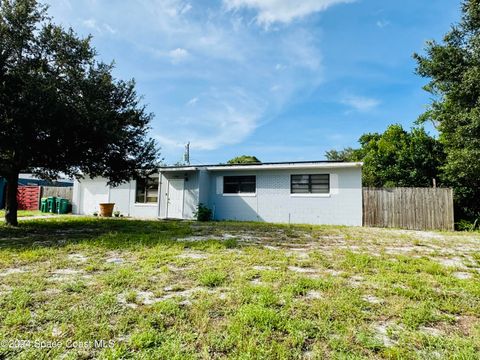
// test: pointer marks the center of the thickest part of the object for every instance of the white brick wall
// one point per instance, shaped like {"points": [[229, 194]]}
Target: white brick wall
{"points": [[274, 203]]}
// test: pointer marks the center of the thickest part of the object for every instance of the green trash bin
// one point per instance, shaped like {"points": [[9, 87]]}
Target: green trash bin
{"points": [[51, 205], [43, 205], [62, 206], [57, 205]]}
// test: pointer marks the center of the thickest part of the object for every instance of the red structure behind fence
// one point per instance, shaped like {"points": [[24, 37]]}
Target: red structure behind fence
{"points": [[28, 197]]}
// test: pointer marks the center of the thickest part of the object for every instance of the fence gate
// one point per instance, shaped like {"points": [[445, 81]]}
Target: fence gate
{"points": [[408, 208]]}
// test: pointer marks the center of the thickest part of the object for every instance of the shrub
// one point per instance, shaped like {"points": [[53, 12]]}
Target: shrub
{"points": [[203, 213], [465, 225]]}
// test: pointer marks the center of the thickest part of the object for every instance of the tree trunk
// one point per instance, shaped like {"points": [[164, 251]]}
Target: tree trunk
{"points": [[11, 205]]}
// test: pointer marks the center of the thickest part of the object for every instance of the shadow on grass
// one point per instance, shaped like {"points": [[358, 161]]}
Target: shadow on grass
{"points": [[110, 233], [125, 233]]}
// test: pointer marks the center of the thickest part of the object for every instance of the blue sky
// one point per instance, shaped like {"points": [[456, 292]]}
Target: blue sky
{"points": [[279, 79]]}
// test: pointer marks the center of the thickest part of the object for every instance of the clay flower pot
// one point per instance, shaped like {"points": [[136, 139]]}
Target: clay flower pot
{"points": [[106, 209]]}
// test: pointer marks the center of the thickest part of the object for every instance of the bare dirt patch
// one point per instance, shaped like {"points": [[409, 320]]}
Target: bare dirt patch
{"points": [[263, 268], [115, 260], [356, 281], [313, 294], [13, 271], [372, 299], [79, 258], [192, 255], [256, 281], [431, 331], [455, 262], [462, 275], [148, 297], [174, 268], [64, 274], [333, 272], [466, 324], [302, 270], [382, 330], [5, 289]]}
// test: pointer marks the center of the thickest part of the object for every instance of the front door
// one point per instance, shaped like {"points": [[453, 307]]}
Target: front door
{"points": [[175, 199]]}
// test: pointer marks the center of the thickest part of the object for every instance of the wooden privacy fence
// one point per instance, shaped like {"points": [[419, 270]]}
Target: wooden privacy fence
{"points": [[28, 197], [63, 192], [408, 208]]}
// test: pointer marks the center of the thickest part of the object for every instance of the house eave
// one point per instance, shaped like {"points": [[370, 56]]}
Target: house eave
{"points": [[179, 169], [287, 166]]}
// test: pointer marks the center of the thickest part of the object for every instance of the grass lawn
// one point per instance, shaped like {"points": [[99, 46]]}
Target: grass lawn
{"points": [[25, 213], [181, 290]]}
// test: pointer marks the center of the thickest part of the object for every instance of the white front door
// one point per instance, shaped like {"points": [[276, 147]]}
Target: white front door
{"points": [[175, 199]]}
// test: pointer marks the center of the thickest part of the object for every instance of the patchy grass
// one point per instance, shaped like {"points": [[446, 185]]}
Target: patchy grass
{"points": [[153, 289], [25, 213]]}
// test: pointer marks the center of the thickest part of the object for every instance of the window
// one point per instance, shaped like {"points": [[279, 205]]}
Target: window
{"points": [[239, 184], [310, 184], [147, 190]]}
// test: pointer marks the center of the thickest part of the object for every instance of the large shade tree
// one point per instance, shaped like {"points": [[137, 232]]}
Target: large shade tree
{"points": [[61, 111], [453, 67], [396, 157]]}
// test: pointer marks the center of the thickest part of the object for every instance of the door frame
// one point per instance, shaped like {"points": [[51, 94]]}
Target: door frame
{"points": [[168, 198]]}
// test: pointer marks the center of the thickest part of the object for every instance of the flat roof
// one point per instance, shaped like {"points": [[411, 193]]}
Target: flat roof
{"points": [[320, 164]]}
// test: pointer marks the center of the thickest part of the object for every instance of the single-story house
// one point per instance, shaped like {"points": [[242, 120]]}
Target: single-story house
{"points": [[313, 192]]}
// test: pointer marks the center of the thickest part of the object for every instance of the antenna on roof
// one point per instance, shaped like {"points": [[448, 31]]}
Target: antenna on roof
{"points": [[186, 155]]}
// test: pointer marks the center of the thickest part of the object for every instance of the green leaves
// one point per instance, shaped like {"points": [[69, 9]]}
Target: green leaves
{"points": [[62, 111], [453, 68], [244, 159], [396, 157]]}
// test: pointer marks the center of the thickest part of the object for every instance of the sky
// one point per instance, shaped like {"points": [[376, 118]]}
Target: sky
{"points": [[282, 80]]}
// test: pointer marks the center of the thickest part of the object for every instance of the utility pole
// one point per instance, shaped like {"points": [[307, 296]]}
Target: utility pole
{"points": [[186, 155]]}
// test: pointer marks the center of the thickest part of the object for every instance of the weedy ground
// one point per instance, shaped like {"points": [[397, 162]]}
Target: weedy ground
{"points": [[185, 290]]}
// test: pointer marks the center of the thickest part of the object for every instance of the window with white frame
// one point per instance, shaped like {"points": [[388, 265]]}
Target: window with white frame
{"points": [[244, 184], [310, 184]]}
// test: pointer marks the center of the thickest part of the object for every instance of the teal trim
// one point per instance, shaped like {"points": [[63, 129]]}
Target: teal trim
{"points": [[3, 189]]}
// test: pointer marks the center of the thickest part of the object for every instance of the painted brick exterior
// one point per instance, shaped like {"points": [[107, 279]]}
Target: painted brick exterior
{"points": [[272, 201]]}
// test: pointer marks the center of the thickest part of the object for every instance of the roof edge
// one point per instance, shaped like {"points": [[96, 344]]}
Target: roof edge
{"points": [[266, 166]]}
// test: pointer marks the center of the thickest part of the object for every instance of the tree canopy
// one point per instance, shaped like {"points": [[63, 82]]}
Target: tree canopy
{"points": [[396, 157], [453, 68], [244, 159], [62, 111]]}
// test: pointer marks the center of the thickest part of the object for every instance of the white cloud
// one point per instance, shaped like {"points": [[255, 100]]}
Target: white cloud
{"points": [[382, 23], [177, 55], [100, 28], [238, 79], [192, 101], [360, 103], [90, 23], [167, 142], [302, 50], [283, 11], [186, 8], [223, 117]]}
